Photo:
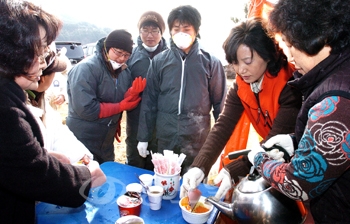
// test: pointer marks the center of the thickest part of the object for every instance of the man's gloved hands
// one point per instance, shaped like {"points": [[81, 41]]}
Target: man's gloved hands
{"points": [[226, 183], [129, 103], [137, 87], [142, 147], [110, 109], [253, 152], [284, 140], [191, 180]]}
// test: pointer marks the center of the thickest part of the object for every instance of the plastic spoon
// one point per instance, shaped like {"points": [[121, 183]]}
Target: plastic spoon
{"points": [[143, 184], [193, 197]]}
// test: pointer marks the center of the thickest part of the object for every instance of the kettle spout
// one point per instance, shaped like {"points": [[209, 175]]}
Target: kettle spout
{"points": [[223, 207]]}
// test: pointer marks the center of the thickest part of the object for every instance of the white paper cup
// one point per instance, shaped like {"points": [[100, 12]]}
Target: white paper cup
{"points": [[155, 197], [147, 179]]}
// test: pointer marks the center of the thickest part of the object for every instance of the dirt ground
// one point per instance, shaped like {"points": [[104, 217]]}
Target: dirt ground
{"points": [[120, 154]]}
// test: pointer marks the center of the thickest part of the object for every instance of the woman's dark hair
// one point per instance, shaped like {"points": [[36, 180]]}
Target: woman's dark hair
{"points": [[185, 14], [309, 25], [19, 35], [253, 34]]}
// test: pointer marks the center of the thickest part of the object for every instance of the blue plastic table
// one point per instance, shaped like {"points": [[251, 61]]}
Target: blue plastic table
{"points": [[101, 206]]}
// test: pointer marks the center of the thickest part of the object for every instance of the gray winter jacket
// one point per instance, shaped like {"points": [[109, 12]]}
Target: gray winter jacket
{"points": [[179, 97], [90, 82], [138, 64]]}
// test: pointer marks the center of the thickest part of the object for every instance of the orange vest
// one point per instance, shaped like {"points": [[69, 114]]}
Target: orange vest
{"points": [[268, 99]]}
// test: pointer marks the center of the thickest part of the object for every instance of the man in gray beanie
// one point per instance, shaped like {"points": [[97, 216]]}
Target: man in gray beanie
{"points": [[99, 89], [150, 42]]}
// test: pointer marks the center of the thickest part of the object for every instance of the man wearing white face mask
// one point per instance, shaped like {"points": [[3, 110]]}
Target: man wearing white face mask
{"points": [[184, 84], [99, 89], [150, 42]]}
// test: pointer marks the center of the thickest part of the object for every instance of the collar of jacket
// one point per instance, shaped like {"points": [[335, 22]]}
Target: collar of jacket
{"points": [[161, 47], [308, 82], [6, 83], [195, 45]]}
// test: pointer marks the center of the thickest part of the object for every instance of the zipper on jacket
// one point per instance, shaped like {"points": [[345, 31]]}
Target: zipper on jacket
{"points": [[181, 87]]}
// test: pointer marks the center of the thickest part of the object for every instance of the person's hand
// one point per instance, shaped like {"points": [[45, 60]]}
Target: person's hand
{"points": [[129, 103], [191, 180], [110, 109], [285, 141], [59, 100], [253, 152], [142, 147], [85, 160], [137, 87], [226, 183], [276, 154], [60, 156], [97, 176]]}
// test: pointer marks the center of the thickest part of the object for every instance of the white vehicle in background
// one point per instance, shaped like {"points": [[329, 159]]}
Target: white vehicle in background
{"points": [[75, 51], [89, 49]]}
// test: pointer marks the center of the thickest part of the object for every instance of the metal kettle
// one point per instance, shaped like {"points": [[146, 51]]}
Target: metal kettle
{"points": [[255, 201]]}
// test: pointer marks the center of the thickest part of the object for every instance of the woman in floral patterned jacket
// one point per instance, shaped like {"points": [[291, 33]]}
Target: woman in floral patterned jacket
{"points": [[317, 34]]}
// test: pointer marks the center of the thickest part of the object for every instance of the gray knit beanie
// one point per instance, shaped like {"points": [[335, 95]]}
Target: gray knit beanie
{"points": [[120, 39]]}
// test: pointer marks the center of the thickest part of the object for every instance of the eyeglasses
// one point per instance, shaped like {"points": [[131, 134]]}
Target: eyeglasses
{"points": [[152, 32], [120, 53], [43, 56], [50, 58]]}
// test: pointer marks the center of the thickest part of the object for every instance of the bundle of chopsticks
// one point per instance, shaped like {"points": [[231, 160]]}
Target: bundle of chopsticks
{"points": [[169, 163]]}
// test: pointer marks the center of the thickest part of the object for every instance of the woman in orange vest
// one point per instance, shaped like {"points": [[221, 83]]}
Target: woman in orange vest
{"points": [[259, 92]]}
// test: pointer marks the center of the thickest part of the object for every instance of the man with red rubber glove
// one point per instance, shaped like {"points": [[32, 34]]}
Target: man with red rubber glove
{"points": [[99, 89]]}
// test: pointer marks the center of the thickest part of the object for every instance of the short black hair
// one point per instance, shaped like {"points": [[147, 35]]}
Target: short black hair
{"points": [[253, 33], [309, 25], [185, 14]]}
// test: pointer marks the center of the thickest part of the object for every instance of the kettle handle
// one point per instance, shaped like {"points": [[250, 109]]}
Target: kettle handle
{"points": [[236, 154]]}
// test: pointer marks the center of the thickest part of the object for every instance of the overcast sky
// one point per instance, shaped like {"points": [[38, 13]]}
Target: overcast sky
{"points": [[116, 14]]}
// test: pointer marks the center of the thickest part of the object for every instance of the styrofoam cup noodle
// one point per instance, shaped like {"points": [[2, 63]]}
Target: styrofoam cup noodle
{"points": [[147, 179], [134, 187]]}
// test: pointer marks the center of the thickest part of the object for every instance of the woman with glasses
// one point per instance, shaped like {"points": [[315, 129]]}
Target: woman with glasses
{"points": [[28, 173], [149, 43], [260, 91], [100, 88], [317, 36]]}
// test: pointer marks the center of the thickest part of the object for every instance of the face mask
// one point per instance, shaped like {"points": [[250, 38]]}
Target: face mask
{"points": [[149, 49], [182, 40], [115, 65]]}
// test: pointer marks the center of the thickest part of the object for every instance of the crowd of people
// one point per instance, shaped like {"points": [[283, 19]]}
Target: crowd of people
{"points": [[168, 91]]}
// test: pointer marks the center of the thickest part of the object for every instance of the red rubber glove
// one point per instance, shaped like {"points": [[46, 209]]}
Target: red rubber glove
{"points": [[109, 109], [138, 85], [119, 130]]}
